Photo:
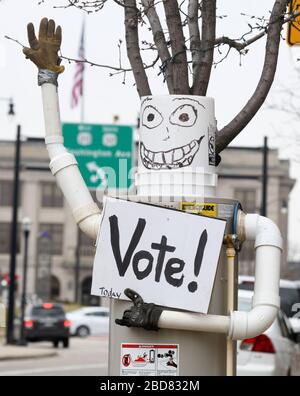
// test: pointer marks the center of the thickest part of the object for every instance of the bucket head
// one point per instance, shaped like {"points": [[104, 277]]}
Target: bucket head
{"points": [[177, 135]]}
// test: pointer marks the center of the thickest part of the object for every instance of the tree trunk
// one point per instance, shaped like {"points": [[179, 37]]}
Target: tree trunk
{"points": [[133, 48]]}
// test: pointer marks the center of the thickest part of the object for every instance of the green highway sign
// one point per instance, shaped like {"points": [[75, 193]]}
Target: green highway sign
{"points": [[104, 153]]}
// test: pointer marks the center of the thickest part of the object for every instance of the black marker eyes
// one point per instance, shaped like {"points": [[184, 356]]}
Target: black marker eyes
{"points": [[185, 116], [151, 118]]}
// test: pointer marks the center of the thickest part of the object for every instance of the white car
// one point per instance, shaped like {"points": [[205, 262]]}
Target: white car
{"points": [[272, 353], [295, 319], [89, 321]]}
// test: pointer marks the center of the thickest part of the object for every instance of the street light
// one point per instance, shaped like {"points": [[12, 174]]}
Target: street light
{"points": [[13, 234], [26, 226], [264, 195], [11, 106]]}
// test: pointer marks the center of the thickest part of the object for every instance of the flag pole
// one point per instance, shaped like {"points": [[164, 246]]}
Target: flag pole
{"points": [[83, 79], [82, 119]]}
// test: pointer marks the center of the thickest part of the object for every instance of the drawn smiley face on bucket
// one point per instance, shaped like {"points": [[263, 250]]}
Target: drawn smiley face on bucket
{"points": [[173, 128]]}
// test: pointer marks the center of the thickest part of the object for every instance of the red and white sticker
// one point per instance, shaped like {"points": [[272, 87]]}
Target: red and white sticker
{"points": [[149, 359]]}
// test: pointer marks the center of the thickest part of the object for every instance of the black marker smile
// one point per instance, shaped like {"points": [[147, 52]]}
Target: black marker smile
{"points": [[171, 159]]}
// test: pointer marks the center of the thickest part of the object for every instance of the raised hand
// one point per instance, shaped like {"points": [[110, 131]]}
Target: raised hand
{"points": [[43, 52]]}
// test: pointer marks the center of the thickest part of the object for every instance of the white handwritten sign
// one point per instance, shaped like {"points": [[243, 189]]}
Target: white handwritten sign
{"points": [[169, 257]]}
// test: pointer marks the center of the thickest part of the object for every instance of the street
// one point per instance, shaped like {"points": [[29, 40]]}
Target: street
{"points": [[86, 356]]}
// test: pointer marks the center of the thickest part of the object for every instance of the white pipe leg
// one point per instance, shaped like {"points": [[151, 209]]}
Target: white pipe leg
{"points": [[267, 275]]}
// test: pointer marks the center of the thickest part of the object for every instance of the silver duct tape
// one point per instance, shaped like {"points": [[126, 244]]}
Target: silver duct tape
{"points": [[47, 76]]}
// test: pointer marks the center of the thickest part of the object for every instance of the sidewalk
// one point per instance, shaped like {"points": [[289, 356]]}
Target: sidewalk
{"points": [[9, 352]]}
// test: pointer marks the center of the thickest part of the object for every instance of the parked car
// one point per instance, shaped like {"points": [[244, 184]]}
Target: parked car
{"points": [[275, 352], [289, 298], [89, 321], [47, 322], [295, 314]]}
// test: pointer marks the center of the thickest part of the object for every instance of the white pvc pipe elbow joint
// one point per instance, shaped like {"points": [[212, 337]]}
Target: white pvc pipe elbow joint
{"points": [[251, 324], [263, 230]]}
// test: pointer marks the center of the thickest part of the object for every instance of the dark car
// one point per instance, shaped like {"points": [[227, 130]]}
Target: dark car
{"points": [[47, 322]]}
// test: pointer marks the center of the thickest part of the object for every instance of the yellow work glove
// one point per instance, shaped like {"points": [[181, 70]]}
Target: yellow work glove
{"points": [[43, 52]]}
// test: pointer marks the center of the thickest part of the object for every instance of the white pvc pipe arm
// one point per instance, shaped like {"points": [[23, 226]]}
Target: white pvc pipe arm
{"points": [[266, 301], [64, 167]]}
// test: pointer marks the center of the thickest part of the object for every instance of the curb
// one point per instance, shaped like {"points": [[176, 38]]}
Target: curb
{"points": [[30, 355]]}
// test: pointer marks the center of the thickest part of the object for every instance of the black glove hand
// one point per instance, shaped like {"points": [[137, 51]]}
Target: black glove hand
{"points": [[140, 314]]}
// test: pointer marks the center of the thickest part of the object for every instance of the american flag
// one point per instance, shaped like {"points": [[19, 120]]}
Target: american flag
{"points": [[77, 89]]}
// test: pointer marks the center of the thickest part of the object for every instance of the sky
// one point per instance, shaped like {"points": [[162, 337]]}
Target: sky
{"points": [[232, 82]]}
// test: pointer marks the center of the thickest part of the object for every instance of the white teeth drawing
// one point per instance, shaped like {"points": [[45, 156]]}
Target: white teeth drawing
{"points": [[171, 159]]}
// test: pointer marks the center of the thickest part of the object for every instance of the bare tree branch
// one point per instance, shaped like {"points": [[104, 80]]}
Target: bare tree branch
{"points": [[193, 25], [86, 5], [160, 42], [202, 72], [180, 67], [240, 45], [230, 131], [118, 69], [133, 49]]}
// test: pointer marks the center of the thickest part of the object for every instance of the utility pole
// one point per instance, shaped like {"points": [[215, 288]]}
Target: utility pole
{"points": [[263, 210], [13, 243], [26, 225], [77, 267]]}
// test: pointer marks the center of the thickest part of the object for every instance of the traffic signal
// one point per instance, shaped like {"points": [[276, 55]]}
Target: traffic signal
{"points": [[293, 31]]}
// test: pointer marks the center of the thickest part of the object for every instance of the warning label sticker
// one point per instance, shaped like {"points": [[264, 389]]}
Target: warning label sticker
{"points": [[206, 209], [149, 359]]}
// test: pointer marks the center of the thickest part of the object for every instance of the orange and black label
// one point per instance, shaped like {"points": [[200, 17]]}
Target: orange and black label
{"points": [[206, 208]]}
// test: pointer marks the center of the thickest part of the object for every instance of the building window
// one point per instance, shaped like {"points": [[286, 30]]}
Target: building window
{"points": [[247, 197], [55, 234], [6, 193], [5, 230], [51, 196], [87, 247]]}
